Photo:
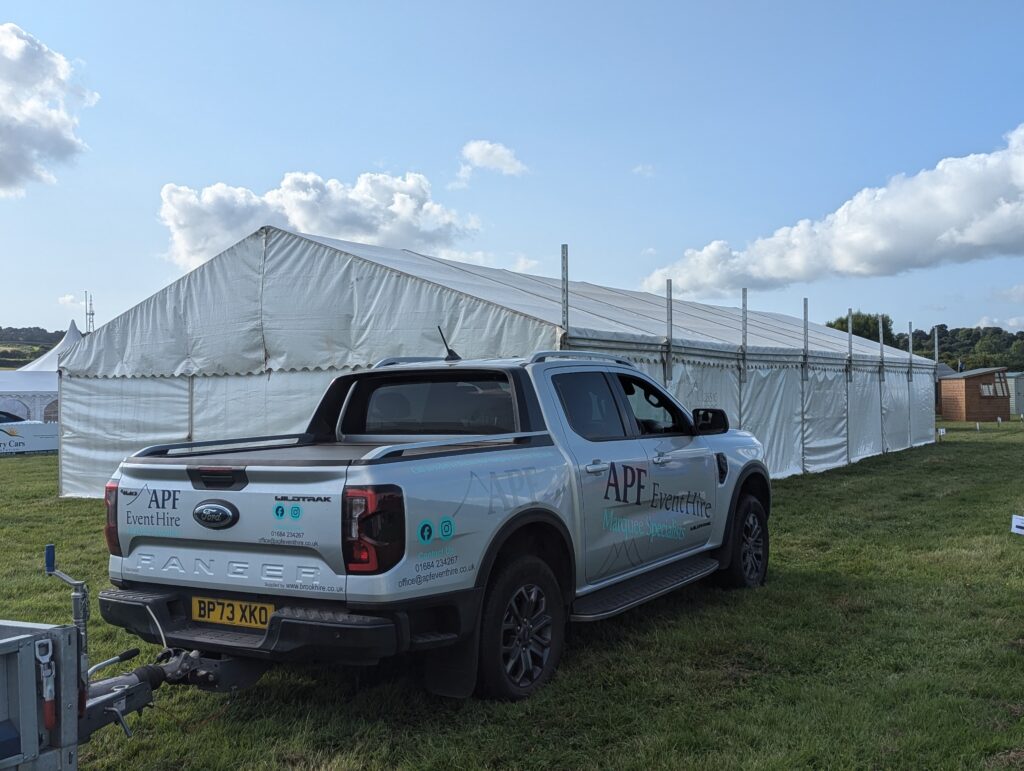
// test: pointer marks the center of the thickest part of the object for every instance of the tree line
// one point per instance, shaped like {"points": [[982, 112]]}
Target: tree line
{"points": [[959, 347], [36, 335]]}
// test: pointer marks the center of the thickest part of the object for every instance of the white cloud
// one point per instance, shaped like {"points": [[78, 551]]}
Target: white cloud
{"points": [[964, 209], [524, 264], [644, 170], [650, 251], [481, 154], [38, 110], [377, 209], [1014, 322], [1013, 294], [70, 300]]}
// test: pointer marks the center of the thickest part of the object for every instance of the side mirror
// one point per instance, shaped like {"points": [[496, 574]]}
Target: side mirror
{"points": [[708, 420]]}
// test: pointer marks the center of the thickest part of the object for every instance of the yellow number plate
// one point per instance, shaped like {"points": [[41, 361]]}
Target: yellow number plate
{"points": [[210, 610]]}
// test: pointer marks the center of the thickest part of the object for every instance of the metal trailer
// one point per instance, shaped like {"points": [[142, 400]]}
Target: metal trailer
{"points": [[38, 693], [49, 703]]}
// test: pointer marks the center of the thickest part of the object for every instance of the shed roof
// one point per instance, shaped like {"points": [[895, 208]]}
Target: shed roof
{"points": [[973, 373]]}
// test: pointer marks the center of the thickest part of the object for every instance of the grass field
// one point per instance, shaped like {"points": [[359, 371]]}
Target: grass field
{"points": [[890, 634]]}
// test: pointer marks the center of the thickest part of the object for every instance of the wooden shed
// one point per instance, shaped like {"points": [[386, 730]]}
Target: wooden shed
{"points": [[976, 395]]}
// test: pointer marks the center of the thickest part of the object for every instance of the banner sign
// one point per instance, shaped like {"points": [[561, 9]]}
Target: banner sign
{"points": [[28, 436]]}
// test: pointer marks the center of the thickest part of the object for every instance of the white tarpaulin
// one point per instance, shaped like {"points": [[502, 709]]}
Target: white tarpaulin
{"points": [[244, 344], [101, 425], [824, 429], [771, 412], [256, 405], [704, 385], [865, 415], [922, 419], [896, 410]]}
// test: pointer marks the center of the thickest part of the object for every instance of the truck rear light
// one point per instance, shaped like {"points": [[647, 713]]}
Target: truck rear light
{"points": [[110, 529], [373, 528]]}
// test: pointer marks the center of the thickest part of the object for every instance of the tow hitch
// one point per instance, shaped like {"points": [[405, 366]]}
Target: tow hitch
{"points": [[49, 702]]}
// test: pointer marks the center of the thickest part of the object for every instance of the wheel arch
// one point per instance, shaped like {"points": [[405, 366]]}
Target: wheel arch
{"points": [[753, 479], [541, 529]]}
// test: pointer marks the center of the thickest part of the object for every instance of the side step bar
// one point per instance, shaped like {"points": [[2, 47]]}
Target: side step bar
{"points": [[628, 594]]}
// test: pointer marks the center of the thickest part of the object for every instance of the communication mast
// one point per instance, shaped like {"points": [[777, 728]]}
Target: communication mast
{"points": [[90, 314]]}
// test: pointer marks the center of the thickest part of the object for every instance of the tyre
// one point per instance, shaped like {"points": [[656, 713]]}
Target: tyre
{"points": [[522, 630], [748, 566]]}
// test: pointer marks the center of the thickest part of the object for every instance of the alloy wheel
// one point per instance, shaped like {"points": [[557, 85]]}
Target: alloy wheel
{"points": [[526, 635], [752, 548]]}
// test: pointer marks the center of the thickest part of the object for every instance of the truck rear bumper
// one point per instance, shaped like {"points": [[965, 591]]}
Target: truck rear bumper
{"points": [[322, 631]]}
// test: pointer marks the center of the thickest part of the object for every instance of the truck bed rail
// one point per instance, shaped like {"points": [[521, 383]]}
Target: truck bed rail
{"points": [[398, 450], [262, 442]]}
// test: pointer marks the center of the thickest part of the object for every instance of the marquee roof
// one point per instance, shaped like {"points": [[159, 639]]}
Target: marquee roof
{"points": [[279, 300]]}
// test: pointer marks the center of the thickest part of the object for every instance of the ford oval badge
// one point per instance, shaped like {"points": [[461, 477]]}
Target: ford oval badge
{"points": [[215, 515]]}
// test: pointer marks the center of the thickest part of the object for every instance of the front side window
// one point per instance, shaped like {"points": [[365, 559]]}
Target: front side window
{"points": [[655, 415], [589, 405]]}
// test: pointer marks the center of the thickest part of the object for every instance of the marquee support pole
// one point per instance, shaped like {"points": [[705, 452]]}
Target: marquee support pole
{"points": [[668, 333], [565, 292]]}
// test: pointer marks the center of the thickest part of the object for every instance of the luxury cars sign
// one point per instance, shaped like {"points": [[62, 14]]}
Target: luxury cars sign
{"points": [[28, 436]]}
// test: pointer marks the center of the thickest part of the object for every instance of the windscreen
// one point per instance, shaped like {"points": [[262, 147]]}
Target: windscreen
{"points": [[431, 403]]}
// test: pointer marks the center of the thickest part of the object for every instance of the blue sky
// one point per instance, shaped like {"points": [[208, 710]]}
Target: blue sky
{"points": [[641, 130]]}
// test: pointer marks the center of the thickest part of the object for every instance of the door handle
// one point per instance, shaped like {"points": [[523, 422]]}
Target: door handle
{"points": [[661, 459], [597, 467]]}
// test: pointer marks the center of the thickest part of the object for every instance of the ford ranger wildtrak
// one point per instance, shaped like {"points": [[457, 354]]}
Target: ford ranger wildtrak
{"points": [[465, 509]]}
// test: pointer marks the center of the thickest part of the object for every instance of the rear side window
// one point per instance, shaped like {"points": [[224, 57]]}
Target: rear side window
{"points": [[431, 403], [589, 405]]}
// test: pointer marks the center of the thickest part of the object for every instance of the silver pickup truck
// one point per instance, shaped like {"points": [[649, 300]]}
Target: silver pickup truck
{"points": [[466, 509]]}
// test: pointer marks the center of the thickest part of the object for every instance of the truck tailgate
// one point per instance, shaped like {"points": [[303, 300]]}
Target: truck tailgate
{"points": [[273, 529]]}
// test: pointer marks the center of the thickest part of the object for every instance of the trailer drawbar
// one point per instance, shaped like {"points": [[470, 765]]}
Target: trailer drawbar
{"points": [[49, 701]]}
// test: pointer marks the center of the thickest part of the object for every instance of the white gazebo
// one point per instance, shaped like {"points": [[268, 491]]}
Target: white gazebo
{"points": [[31, 392]]}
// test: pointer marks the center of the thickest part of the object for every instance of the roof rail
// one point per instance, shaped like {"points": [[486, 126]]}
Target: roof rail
{"points": [[393, 360], [545, 355]]}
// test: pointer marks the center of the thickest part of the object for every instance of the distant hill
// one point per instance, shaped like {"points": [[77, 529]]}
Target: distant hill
{"points": [[20, 345]]}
